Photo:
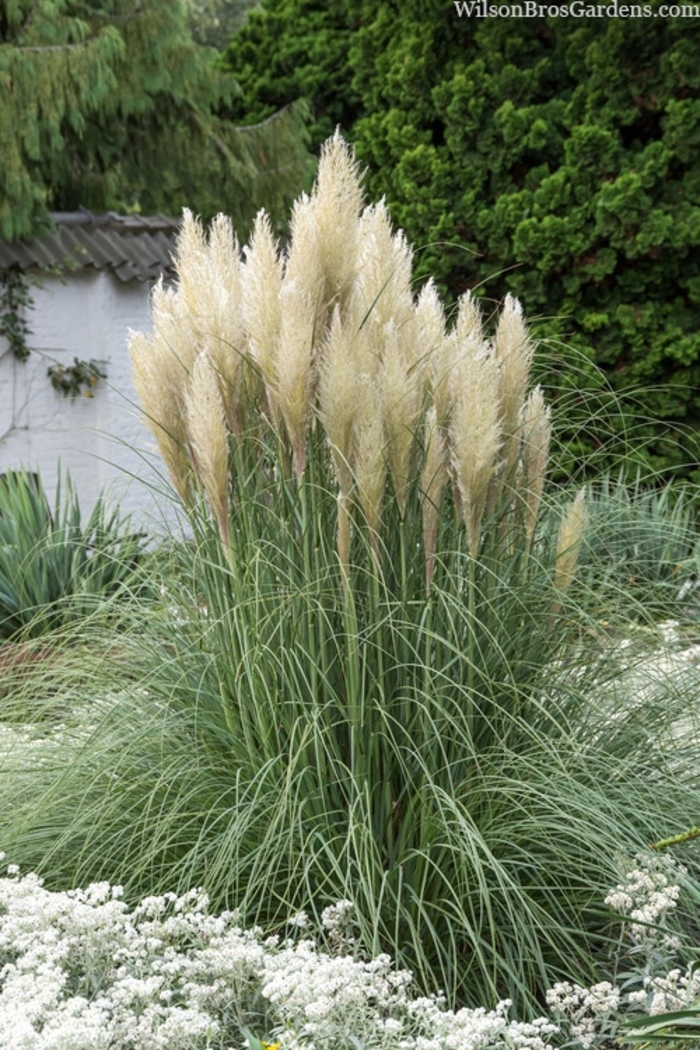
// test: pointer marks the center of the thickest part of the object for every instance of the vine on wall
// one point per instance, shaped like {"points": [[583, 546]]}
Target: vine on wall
{"points": [[15, 300], [81, 376]]}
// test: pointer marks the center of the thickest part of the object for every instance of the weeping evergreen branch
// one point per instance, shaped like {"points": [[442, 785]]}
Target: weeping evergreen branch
{"points": [[119, 109]]}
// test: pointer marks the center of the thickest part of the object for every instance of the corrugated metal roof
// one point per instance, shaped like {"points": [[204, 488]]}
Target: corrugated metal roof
{"points": [[132, 247]]}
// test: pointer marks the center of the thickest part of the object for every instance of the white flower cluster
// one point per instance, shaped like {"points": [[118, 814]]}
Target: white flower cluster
{"points": [[478, 1029], [588, 1013], [337, 923], [647, 894], [590, 1017], [80, 971], [676, 990]]}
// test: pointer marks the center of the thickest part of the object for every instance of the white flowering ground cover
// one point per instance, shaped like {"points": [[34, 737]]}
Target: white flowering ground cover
{"points": [[82, 971], [79, 970]]}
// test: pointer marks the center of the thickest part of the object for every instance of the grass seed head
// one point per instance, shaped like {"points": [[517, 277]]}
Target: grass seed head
{"points": [[571, 530], [295, 367], [514, 352], [159, 380], [475, 433], [434, 478], [369, 465], [208, 439], [536, 425], [261, 280]]}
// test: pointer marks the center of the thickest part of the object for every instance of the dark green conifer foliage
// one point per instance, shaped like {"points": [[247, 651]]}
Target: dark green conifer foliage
{"points": [[558, 159], [291, 49], [110, 104]]}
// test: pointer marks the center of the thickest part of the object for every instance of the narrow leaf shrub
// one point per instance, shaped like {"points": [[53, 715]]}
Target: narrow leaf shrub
{"points": [[53, 565]]}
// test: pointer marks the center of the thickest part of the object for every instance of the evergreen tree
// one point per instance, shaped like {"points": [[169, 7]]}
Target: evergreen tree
{"points": [[111, 104], [214, 21], [291, 49], [554, 158]]}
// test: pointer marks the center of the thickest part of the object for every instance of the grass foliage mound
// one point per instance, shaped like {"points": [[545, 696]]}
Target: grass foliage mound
{"points": [[375, 674]]}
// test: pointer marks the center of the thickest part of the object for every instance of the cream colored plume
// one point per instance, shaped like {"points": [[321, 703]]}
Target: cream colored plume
{"points": [[401, 391], [571, 531], [204, 311], [434, 478], [262, 283], [430, 330], [159, 380], [450, 360], [222, 319], [174, 329], [369, 466], [514, 352], [344, 352], [475, 433], [536, 426], [322, 255], [303, 266], [191, 263], [337, 197], [208, 439], [294, 366], [385, 263]]}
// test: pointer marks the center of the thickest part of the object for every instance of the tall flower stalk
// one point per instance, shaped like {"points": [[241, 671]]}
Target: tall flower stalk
{"points": [[365, 482], [327, 338]]}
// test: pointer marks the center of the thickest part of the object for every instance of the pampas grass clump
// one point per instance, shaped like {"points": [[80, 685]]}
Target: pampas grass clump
{"points": [[384, 681]]}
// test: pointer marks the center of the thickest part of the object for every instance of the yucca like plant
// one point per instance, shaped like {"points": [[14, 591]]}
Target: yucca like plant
{"points": [[377, 685], [54, 566]]}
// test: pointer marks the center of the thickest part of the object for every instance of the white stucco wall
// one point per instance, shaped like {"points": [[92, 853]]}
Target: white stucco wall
{"points": [[101, 440]]}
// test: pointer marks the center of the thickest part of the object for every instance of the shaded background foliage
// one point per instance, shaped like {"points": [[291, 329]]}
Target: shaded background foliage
{"points": [[553, 158], [113, 105]]}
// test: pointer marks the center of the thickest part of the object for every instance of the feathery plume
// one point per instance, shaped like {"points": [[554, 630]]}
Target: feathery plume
{"points": [[190, 264], [174, 328], [322, 256], [514, 352], [342, 357], [401, 389], [384, 268], [208, 439], [261, 284], [571, 530], [159, 381], [536, 424], [337, 200], [303, 264], [430, 328], [222, 321], [434, 477], [469, 322], [475, 434], [294, 367], [368, 466], [449, 364]]}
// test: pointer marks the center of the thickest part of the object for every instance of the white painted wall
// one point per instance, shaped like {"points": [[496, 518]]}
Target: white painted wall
{"points": [[101, 440]]}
